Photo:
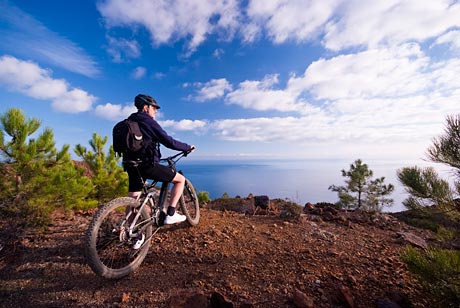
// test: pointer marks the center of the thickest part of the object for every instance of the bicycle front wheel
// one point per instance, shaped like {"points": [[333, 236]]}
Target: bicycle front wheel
{"points": [[189, 204], [108, 247]]}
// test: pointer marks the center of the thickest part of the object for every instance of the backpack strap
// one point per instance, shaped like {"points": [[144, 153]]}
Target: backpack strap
{"points": [[157, 148]]}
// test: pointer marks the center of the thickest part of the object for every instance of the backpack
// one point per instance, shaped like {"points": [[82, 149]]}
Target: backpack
{"points": [[127, 137]]}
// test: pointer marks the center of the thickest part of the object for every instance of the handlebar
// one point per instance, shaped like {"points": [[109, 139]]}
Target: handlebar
{"points": [[173, 159]]}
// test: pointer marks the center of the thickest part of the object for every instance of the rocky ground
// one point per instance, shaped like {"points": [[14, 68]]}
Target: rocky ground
{"points": [[229, 260]]}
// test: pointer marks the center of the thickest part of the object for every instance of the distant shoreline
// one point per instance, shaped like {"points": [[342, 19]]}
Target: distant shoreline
{"points": [[299, 180]]}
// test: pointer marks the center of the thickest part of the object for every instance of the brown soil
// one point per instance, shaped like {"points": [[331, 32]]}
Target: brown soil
{"points": [[243, 260]]}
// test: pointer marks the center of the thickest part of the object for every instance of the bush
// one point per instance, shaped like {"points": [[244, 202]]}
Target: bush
{"points": [[203, 197], [328, 204], [423, 223], [444, 234], [288, 209], [36, 177], [430, 218], [291, 209], [439, 271]]}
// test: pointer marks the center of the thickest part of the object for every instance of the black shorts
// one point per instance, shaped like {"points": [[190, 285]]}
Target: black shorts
{"points": [[153, 172]]}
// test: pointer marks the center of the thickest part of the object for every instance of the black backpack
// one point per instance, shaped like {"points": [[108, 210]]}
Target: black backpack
{"points": [[127, 137]]}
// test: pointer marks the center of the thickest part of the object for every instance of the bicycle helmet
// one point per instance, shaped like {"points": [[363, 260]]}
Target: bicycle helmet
{"points": [[143, 99]]}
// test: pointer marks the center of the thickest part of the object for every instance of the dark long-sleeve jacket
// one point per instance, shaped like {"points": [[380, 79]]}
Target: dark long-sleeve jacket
{"points": [[153, 135]]}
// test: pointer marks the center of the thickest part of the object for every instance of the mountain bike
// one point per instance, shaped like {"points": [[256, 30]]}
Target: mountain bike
{"points": [[118, 224]]}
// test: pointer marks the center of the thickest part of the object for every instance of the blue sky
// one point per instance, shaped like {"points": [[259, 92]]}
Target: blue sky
{"points": [[329, 79]]}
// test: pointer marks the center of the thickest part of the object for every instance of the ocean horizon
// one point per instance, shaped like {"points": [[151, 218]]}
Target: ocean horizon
{"points": [[299, 181]]}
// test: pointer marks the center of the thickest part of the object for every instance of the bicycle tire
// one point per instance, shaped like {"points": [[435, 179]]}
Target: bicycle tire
{"points": [[189, 204], [106, 251]]}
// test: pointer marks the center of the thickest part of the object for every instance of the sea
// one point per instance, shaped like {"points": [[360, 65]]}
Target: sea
{"points": [[299, 181]]}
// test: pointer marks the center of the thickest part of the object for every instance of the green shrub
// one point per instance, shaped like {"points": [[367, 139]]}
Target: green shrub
{"points": [[291, 209], [439, 272], [36, 177], [444, 234], [203, 197], [328, 204], [287, 209], [424, 223], [430, 218], [225, 196]]}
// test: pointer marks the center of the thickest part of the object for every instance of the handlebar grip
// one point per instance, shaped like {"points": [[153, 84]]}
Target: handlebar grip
{"points": [[189, 151]]}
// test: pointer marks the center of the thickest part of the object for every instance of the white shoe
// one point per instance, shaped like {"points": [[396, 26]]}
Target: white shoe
{"points": [[169, 220], [139, 242]]}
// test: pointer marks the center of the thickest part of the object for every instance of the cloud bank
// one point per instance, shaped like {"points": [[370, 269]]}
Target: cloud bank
{"points": [[30, 79]]}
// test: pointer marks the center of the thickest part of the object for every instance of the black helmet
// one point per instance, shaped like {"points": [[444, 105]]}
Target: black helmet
{"points": [[143, 99]]}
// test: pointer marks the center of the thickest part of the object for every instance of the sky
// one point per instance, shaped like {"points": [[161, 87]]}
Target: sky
{"points": [[333, 79]]}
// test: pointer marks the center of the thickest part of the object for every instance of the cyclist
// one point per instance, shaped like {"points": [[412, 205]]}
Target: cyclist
{"points": [[149, 158]]}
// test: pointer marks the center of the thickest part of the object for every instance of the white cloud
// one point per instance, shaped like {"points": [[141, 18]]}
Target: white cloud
{"points": [[159, 75], [28, 37], [218, 53], [445, 76], [385, 90], [390, 126], [387, 73], [251, 94], [372, 73], [341, 24], [171, 21], [452, 38], [373, 23], [250, 32], [215, 88], [114, 112], [139, 73], [289, 19], [121, 49], [73, 101], [184, 125], [261, 95], [30, 79], [388, 97]]}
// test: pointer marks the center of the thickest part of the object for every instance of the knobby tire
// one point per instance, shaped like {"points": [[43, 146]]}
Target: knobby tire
{"points": [[109, 254], [189, 204]]}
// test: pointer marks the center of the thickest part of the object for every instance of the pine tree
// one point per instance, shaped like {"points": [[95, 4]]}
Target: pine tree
{"points": [[377, 195], [37, 178], [424, 185], [361, 190], [108, 176]]}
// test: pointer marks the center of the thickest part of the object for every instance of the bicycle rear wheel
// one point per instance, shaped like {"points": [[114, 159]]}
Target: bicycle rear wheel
{"points": [[189, 204], [108, 247]]}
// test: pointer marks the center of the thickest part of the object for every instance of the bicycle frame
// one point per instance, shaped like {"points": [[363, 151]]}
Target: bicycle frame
{"points": [[148, 196]]}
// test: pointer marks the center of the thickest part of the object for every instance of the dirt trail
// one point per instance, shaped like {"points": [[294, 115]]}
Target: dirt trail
{"points": [[251, 261]]}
